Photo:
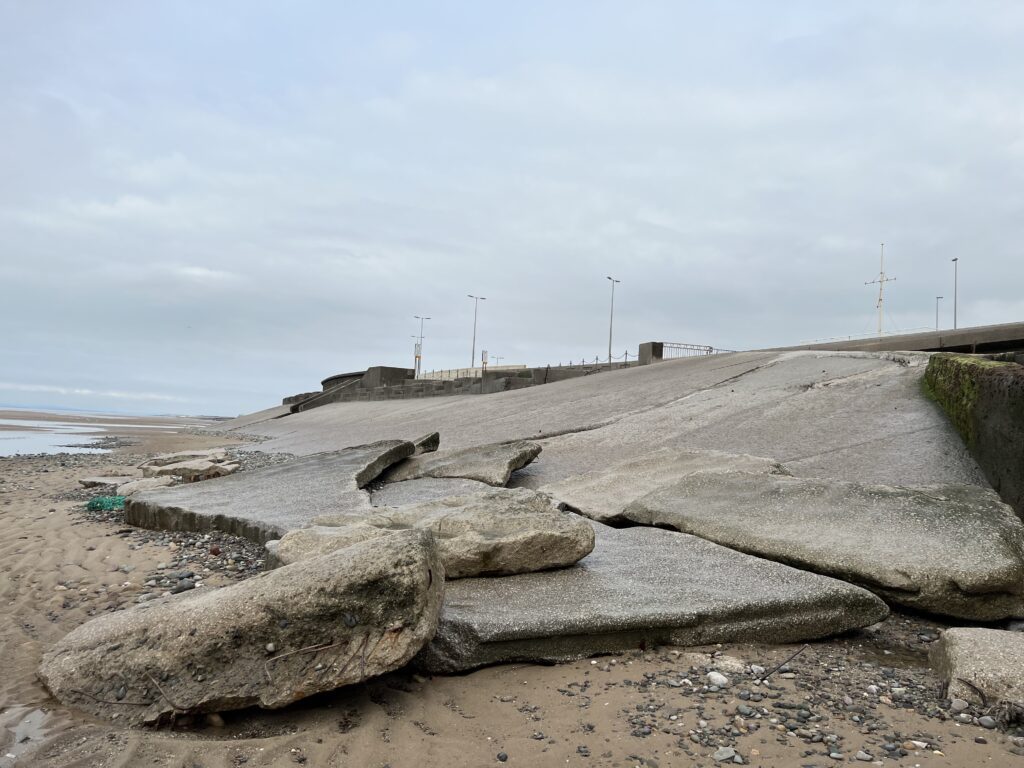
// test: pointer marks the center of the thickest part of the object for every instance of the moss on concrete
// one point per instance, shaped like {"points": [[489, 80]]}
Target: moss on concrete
{"points": [[984, 399]]}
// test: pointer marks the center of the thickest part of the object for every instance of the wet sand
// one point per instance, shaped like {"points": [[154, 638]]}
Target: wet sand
{"points": [[648, 707]]}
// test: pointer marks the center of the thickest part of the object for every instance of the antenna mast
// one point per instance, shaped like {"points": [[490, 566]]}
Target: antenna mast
{"points": [[881, 280]]}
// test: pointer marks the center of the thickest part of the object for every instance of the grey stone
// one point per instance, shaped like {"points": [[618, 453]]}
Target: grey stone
{"points": [[952, 550], [143, 484], [428, 443], [982, 666], [724, 753], [500, 531], [640, 586], [492, 464], [267, 503], [332, 621], [424, 489], [602, 494], [96, 482]]}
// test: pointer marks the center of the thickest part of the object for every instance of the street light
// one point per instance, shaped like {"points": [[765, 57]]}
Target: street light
{"points": [[419, 346], [476, 304], [611, 320], [955, 268], [937, 300]]}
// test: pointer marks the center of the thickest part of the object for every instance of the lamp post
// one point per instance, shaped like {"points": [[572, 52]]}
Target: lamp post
{"points": [[955, 270], [419, 346], [476, 305], [937, 300], [611, 320]]}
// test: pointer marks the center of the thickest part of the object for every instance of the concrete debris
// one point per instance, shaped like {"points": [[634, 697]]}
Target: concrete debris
{"points": [[268, 641], [498, 532], [983, 667], [492, 464]]}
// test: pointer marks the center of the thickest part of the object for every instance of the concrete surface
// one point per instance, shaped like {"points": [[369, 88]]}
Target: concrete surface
{"points": [[983, 666], [267, 503], [640, 586], [951, 550], [603, 494], [847, 416]]}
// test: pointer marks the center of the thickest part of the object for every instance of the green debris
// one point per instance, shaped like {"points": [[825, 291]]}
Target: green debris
{"points": [[105, 503]]}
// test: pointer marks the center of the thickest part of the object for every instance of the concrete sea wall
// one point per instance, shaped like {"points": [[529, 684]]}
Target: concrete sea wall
{"points": [[984, 398]]}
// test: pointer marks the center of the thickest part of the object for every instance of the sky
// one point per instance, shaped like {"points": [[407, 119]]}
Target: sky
{"points": [[205, 207]]}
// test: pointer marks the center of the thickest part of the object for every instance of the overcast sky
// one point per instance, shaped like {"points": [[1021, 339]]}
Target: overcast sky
{"points": [[207, 206]]}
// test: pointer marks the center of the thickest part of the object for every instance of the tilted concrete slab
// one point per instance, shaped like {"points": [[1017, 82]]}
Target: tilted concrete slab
{"points": [[424, 489], [267, 503], [953, 549], [603, 494], [640, 586], [492, 464]]}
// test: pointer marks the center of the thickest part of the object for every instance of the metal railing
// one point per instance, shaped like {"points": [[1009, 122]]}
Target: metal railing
{"points": [[671, 350]]}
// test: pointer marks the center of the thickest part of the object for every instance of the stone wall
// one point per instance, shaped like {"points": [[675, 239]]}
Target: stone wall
{"points": [[984, 398]]}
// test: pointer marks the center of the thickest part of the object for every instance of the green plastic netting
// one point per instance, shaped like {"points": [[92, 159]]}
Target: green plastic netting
{"points": [[105, 503]]}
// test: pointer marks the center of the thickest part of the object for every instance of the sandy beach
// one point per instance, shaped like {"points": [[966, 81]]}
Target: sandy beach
{"points": [[863, 693]]}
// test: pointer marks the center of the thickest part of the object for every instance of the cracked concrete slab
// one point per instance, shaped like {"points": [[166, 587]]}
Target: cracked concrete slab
{"points": [[848, 416], [640, 586], [267, 503], [492, 464], [955, 550], [603, 494]]}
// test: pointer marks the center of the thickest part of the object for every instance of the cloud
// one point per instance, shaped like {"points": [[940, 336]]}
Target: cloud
{"points": [[82, 392]]}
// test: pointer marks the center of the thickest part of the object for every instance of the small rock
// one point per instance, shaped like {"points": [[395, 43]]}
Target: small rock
{"points": [[718, 679], [987, 722], [502, 757], [959, 705], [863, 756], [723, 754]]}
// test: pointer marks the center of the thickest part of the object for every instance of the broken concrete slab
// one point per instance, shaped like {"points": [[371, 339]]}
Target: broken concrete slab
{"points": [[209, 454], [983, 666], [602, 494], [424, 489], [99, 481], [492, 464], [640, 586], [267, 641], [498, 532], [192, 471], [953, 550], [143, 484], [267, 503], [428, 443]]}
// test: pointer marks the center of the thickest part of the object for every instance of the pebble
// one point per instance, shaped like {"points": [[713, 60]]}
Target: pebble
{"points": [[718, 679], [502, 757], [959, 705], [863, 756], [987, 722], [183, 586], [723, 754]]}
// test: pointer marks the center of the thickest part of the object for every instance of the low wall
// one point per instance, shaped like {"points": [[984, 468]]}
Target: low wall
{"points": [[984, 398]]}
